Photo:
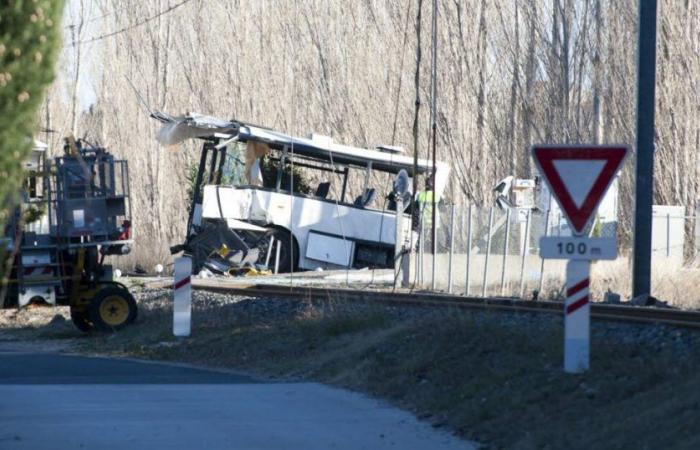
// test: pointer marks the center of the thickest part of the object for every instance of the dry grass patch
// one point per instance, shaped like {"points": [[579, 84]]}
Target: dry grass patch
{"points": [[671, 282], [494, 378]]}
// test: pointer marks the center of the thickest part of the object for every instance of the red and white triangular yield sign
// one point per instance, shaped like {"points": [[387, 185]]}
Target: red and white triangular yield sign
{"points": [[578, 176]]}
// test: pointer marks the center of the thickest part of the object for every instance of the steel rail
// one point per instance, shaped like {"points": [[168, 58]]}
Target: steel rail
{"points": [[599, 311]]}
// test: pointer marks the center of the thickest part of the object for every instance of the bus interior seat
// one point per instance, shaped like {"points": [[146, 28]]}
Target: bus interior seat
{"points": [[323, 189], [366, 198]]}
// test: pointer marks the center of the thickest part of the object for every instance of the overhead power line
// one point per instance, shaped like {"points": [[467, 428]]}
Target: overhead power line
{"points": [[100, 17], [135, 25]]}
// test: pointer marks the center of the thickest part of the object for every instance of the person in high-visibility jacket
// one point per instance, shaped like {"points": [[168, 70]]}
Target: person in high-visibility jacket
{"points": [[424, 199]]}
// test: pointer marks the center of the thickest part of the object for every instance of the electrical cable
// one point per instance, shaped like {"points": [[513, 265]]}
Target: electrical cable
{"points": [[416, 132], [433, 114], [93, 19], [135, 25], [381, 225], [291, 173], [340, 221]]}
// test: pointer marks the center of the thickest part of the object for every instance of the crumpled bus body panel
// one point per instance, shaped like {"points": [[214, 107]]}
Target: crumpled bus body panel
{"points": [[305, 216]]}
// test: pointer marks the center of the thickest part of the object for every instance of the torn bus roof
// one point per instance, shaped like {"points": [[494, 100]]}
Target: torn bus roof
{"points": [[194, 125]]}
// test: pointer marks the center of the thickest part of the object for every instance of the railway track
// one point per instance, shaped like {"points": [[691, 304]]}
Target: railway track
{"points": [[599, 311]]}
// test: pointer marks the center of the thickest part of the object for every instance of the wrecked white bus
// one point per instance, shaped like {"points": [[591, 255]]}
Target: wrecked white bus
{"points": [[264, 218]]}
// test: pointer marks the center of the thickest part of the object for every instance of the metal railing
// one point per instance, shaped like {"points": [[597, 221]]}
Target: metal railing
{"points": [[490, 252]]}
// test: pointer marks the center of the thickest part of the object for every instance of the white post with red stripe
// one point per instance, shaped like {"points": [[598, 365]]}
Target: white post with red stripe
{"points": [[182, 297], [577, 317]]}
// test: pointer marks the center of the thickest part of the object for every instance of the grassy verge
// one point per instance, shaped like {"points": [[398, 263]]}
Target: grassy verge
{"points": [[492, 378]]}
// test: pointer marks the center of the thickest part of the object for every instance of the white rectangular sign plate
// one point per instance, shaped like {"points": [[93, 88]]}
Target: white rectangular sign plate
{"points": [[580, 248]]}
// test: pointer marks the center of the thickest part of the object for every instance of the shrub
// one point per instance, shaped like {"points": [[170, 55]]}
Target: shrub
{"points": [[29, 39]]}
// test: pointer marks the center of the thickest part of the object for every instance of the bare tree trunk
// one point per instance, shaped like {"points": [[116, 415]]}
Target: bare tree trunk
{"points": [[76, 36], [481, 95], [416, 111], [514, 147], [567, 80], [597, 74], [554, 77], [565, 86], [400, 78], [530, 67]]}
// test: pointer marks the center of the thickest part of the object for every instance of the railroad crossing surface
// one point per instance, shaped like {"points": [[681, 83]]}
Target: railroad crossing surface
{"points": [[50, 400]]}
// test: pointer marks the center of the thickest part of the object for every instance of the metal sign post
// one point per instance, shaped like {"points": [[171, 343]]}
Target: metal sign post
{"points": [[578, 177], [577, 317]]}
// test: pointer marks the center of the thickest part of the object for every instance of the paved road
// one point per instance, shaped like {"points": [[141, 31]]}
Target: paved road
{"points": [[52, 401]]}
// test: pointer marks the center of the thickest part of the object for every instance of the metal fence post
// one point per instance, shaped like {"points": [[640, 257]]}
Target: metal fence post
{"points": [[421, 246], [505, 253], [469, 248], [559, 224], [526, 243], [668, 235], [433, 245], [546, 232], [694, 237], [452, 247], [488, 252]]}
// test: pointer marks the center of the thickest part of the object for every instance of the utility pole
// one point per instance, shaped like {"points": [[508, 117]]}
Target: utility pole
{"points": [[433, 119], [416, 221], [644, 169], [416, 112]]}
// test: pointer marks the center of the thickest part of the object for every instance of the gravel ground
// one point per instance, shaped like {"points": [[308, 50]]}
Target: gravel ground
{"points": [[653, 337], [29, 321]]}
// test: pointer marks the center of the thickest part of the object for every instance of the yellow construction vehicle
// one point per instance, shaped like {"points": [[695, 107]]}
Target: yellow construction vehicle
{"points": [[74, 212]]}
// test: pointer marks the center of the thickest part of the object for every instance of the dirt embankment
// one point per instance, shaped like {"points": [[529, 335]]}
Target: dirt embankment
{"points": [[494, 378]]}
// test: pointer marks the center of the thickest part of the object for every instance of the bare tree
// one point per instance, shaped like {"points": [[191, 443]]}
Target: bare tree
{"points": [[511, 73]]}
